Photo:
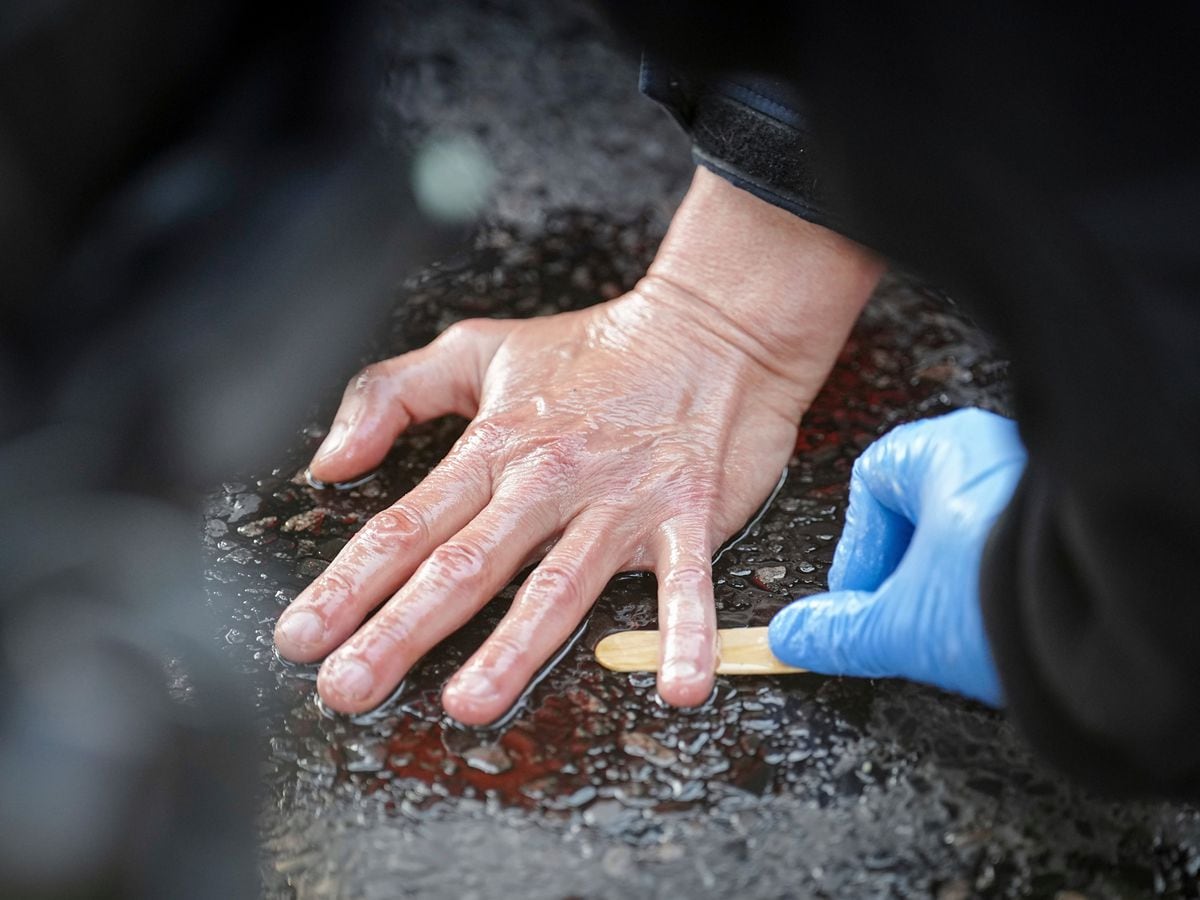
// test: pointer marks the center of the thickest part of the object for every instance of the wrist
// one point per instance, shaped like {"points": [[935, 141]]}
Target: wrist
{"points": [[787, 290]]}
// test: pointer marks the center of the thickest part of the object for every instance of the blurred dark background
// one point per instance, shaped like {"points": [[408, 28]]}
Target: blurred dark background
{"points": [[198, 225], [205, 208]]}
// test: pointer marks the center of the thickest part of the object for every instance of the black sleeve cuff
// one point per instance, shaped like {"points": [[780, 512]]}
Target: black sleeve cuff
{"points": [[751, 130]]}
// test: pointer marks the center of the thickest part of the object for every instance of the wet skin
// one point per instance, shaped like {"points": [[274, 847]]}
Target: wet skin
{"points": [[637, 434]]}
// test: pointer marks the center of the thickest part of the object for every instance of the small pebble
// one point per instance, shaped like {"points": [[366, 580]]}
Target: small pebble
{"points": [[769, 575], [306, 521], [491, 759], [257, 527], [642, 746]]}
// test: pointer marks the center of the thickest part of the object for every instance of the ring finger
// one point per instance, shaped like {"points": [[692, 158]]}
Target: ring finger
{"points": [[453, 584], [547, 609]]}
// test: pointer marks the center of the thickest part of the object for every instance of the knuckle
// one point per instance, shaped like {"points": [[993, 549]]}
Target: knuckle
{"points": [[629, 521], [464, 330], [690, 631], [367, 377], [687, 578], [556, 584], [557, 455], [395, 525], [694, 493], [334, 584], [866, 460], [456, 561], [487, 437], [553, 464], [397, 521]]}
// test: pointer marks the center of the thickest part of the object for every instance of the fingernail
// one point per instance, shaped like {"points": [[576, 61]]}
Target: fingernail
{"points": [[333, 441], [680, 670], [473, 684], [301, 627], [352, 679]]}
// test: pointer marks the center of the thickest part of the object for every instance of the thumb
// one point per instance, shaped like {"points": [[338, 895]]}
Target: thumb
{"points": [[886, 635], [387, 397], [837, 633]]}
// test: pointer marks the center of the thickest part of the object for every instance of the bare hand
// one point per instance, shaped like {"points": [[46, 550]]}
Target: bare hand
{"points": [[638, 434]]}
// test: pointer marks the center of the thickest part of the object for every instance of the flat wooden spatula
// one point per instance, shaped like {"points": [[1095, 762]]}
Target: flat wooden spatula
{"points": [[740, 651]]}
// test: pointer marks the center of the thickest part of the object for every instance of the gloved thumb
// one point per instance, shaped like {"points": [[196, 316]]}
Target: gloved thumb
{"points": [[878, 635], [837, 633]]}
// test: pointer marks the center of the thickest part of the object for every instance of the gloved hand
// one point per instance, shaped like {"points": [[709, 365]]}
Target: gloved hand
{"points": [[904, 584]]}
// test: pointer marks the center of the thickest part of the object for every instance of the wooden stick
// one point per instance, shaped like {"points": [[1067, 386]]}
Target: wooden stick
{"points": [[740, 651]]}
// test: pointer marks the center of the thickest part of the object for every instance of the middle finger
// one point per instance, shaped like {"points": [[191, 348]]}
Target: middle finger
{"points": [[546, 610], [454, 583]]}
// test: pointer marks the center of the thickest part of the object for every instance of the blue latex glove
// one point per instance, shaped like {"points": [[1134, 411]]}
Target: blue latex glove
{"points": [[904, 584]]}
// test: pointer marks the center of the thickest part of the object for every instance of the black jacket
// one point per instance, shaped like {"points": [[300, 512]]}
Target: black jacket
{"points": [[1041, 166]]}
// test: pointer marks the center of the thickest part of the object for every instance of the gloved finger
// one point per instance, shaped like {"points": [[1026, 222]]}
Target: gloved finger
{"points": [[905, 469], [897, 476], [874, 537], [838, 633], [387, 397], [889, 634], [549, 606]]}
